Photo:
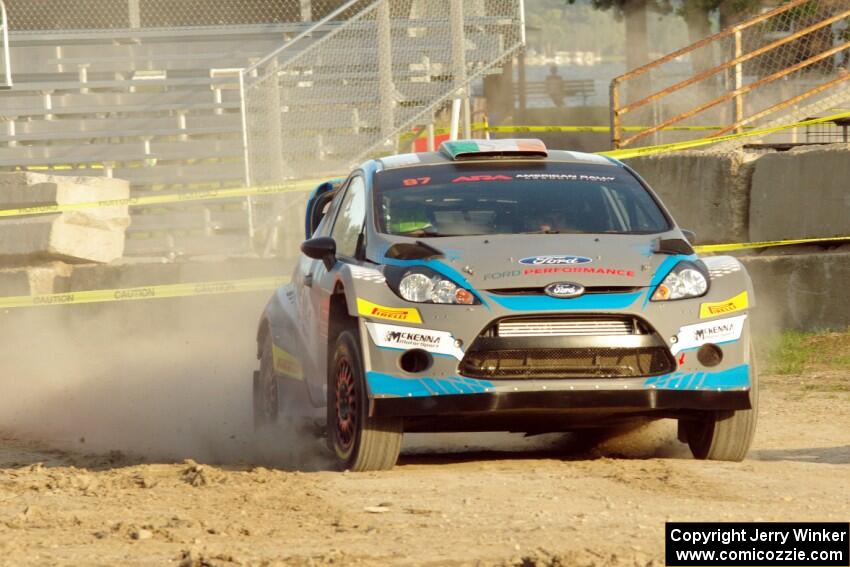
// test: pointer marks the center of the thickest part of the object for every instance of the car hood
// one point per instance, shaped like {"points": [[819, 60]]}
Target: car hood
{"points": [[536, 260]]}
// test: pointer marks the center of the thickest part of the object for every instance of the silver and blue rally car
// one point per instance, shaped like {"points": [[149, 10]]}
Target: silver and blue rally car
{"points": [[501, 286]]}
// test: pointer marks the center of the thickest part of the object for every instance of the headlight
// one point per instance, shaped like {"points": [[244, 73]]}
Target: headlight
{"points": [[428, 287], [684, 281]]}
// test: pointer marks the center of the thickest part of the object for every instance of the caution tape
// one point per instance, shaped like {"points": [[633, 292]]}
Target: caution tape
{"points": [[144, 292], [596, 129], [271, 283], [676, 146], [706, 248], [519, 129], [211, 194]]}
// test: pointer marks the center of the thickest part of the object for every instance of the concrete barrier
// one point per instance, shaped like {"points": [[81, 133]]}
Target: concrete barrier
{"points": [[802, 193], [90, 235], [707, 192], [805, 291]]}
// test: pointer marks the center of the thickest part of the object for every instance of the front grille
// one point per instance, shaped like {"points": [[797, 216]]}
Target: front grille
{"points": [[564, 346], [587, 290], [564, 327], [567, 363]]}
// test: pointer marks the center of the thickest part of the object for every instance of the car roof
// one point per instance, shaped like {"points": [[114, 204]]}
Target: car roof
{"points": [[444, 157]]}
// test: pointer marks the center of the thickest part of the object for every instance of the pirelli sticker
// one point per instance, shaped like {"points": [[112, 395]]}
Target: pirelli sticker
{"points": [[737, 303], [375, 311]]}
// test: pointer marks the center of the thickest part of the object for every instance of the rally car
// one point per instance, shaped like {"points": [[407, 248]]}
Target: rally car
{"points": [[502, 286]]}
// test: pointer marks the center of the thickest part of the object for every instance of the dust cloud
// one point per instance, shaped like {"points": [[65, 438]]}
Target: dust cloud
{"points": [[159, 380]]}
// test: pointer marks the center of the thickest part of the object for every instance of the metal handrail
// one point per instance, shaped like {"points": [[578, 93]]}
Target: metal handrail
{"points": [[4, 28], [300, 36]]}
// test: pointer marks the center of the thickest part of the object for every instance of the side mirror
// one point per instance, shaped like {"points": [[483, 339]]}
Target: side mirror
{"points": [[690, 235], [322, 248]]}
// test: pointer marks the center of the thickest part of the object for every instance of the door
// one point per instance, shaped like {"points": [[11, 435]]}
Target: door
{"points": [[347, 231]]}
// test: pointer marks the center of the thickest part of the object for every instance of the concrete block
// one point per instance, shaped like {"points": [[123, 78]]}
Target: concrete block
{"points": [[707, 192], [86, 235], [26, 188], [802, 193], [32, 280], [805, 291], [73, 237]]}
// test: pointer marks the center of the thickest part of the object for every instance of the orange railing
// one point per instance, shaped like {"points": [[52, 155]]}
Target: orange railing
{"points": [[775, 61]]}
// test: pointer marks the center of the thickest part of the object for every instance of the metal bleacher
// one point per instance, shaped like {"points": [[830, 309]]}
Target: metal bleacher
{"points": [[160, 108], [154, 97]]}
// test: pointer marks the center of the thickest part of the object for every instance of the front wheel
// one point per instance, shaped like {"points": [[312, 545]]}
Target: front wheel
{"points": [[359, 442], [725, 436]]}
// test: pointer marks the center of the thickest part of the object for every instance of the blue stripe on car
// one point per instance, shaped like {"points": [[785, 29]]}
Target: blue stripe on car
{"points": [[381, 384], [732, 379]]}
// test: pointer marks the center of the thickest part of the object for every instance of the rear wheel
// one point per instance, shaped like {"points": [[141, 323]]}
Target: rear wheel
{"points": [[265, 388], [359, 442], [725, 435]]}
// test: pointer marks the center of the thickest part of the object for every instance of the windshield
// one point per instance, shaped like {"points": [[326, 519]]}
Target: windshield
{"points": [[514, 198]]}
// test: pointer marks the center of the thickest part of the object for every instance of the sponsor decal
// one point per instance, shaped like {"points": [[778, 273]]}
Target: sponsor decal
{"points": [[366, 274], [476, 178], [718, 331], [501, 275], [549, 270], [375, 311], [737, 303], [565, 177], [564, 290], [719, 266], [579, 270], [395, 336], [286, 364], [555, 260]]}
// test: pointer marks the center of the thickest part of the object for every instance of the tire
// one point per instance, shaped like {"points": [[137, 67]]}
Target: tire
{"points": [[266, 394], [725, 435], [359, 442]]}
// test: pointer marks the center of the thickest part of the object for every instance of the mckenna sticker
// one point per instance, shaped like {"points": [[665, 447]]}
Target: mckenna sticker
{"points": [[718, 331], [369, 309], [555, 260], [737, 303], [395, 336]]}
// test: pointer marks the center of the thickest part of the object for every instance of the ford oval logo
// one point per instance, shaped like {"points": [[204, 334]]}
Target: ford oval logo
{"points": [[555, 260], [564, 290]]}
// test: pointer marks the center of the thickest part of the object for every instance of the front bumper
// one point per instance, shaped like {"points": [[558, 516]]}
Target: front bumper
{"points": [[448, 389], [555, 402]]}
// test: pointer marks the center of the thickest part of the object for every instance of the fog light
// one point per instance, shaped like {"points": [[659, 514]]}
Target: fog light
{"points": [[709, 355], [415, 360]]}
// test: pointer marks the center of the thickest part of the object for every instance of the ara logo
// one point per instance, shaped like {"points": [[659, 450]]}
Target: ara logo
{"points": [[554, 260], [473, 178], [564, 290]]}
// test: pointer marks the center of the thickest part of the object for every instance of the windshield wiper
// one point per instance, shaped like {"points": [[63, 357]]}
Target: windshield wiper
{"points": [[429, 233], [551, 231]]}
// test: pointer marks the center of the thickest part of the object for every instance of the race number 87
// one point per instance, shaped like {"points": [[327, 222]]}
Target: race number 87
{"points": [[410, 182]]}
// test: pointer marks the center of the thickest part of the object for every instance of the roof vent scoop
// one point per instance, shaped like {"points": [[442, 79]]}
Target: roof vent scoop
{"points": [[471, 149]]}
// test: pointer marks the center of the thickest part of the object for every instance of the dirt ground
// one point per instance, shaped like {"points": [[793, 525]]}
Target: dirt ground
{"points": [[69, 497], [527, 506]]}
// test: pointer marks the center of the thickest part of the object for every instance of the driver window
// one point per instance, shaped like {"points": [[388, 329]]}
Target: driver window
{"points": [[350, 220]]}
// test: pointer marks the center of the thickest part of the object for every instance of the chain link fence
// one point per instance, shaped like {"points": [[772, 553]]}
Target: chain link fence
{"points": [[778, 63], [346, 89], [331, 98], [39, 16]]}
